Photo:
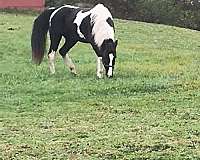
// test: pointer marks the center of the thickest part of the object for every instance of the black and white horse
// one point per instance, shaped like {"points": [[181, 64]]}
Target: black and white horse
{"points": [[94, 26]]}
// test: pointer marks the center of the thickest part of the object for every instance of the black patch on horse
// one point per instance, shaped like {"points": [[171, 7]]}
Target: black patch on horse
{"points": [[109, 46], [85, 10], [86, 28], [110, 22]]}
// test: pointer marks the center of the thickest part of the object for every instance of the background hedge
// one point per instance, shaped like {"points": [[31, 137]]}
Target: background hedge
{"points": [[183, 13]]}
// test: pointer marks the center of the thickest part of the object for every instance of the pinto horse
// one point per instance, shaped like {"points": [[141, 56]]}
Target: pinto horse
{"points": [[94, 26]]}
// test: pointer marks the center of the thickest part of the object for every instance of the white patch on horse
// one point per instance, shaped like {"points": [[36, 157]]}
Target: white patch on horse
{"points": [[110, 70], [99, 67], [51, 8], [52, 57], [101, 29], [68, 62], [57, 10], [78, 20]]}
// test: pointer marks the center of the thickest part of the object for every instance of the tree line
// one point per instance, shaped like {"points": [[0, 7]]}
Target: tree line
{"points": [[182, 13]]}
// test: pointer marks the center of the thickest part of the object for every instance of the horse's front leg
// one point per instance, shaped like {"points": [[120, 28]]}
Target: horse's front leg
{"points": [[100, 68]]}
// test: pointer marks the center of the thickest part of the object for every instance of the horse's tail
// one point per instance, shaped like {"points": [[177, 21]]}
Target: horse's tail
{"points": [[39, 34]]}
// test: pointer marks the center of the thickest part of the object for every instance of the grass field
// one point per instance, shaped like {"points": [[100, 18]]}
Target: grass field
{"points": [[149, 110]]}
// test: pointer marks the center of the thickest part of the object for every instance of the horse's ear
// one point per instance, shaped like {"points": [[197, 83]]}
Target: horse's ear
{"points": [[116, 43]]}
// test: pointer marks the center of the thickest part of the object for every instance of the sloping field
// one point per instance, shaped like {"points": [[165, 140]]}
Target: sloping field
{"points": [[149, 110]]}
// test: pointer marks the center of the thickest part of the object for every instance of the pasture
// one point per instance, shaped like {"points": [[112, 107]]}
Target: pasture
{"points": [[149, 110]]}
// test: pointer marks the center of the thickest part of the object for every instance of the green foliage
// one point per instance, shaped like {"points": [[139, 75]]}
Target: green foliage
{"points": [[149, 110], [172, 12]]}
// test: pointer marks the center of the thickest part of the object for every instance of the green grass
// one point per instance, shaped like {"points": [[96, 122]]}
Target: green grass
{"points": [[149, 110]]}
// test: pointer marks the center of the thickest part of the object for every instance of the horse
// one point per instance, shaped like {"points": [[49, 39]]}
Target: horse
{"points": [[94, 26]]}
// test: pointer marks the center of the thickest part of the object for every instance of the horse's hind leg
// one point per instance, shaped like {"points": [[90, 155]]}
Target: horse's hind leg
{"points": [[69, 63], [55, 40], [67, 60]]}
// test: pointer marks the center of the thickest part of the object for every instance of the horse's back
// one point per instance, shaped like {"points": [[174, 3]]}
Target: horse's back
{"points": [[62, 20]]}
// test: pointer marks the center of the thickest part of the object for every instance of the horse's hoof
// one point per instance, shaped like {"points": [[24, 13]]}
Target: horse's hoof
{"points": [[52, 73], [99, 76], [74, 73], [110, 76]]}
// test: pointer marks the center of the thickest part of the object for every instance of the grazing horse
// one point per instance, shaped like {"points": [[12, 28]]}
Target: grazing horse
{"points": [[94, 26]]}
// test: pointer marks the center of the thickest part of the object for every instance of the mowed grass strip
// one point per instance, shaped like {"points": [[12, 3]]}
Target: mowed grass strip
{"points": [[149, 110]]}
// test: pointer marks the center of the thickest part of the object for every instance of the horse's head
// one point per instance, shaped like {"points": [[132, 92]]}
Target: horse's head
{"points": [[108, 50]]}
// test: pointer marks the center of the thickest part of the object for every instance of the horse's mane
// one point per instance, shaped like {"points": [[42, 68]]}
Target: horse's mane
{"points": [[100, 12], [101, 29]]}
